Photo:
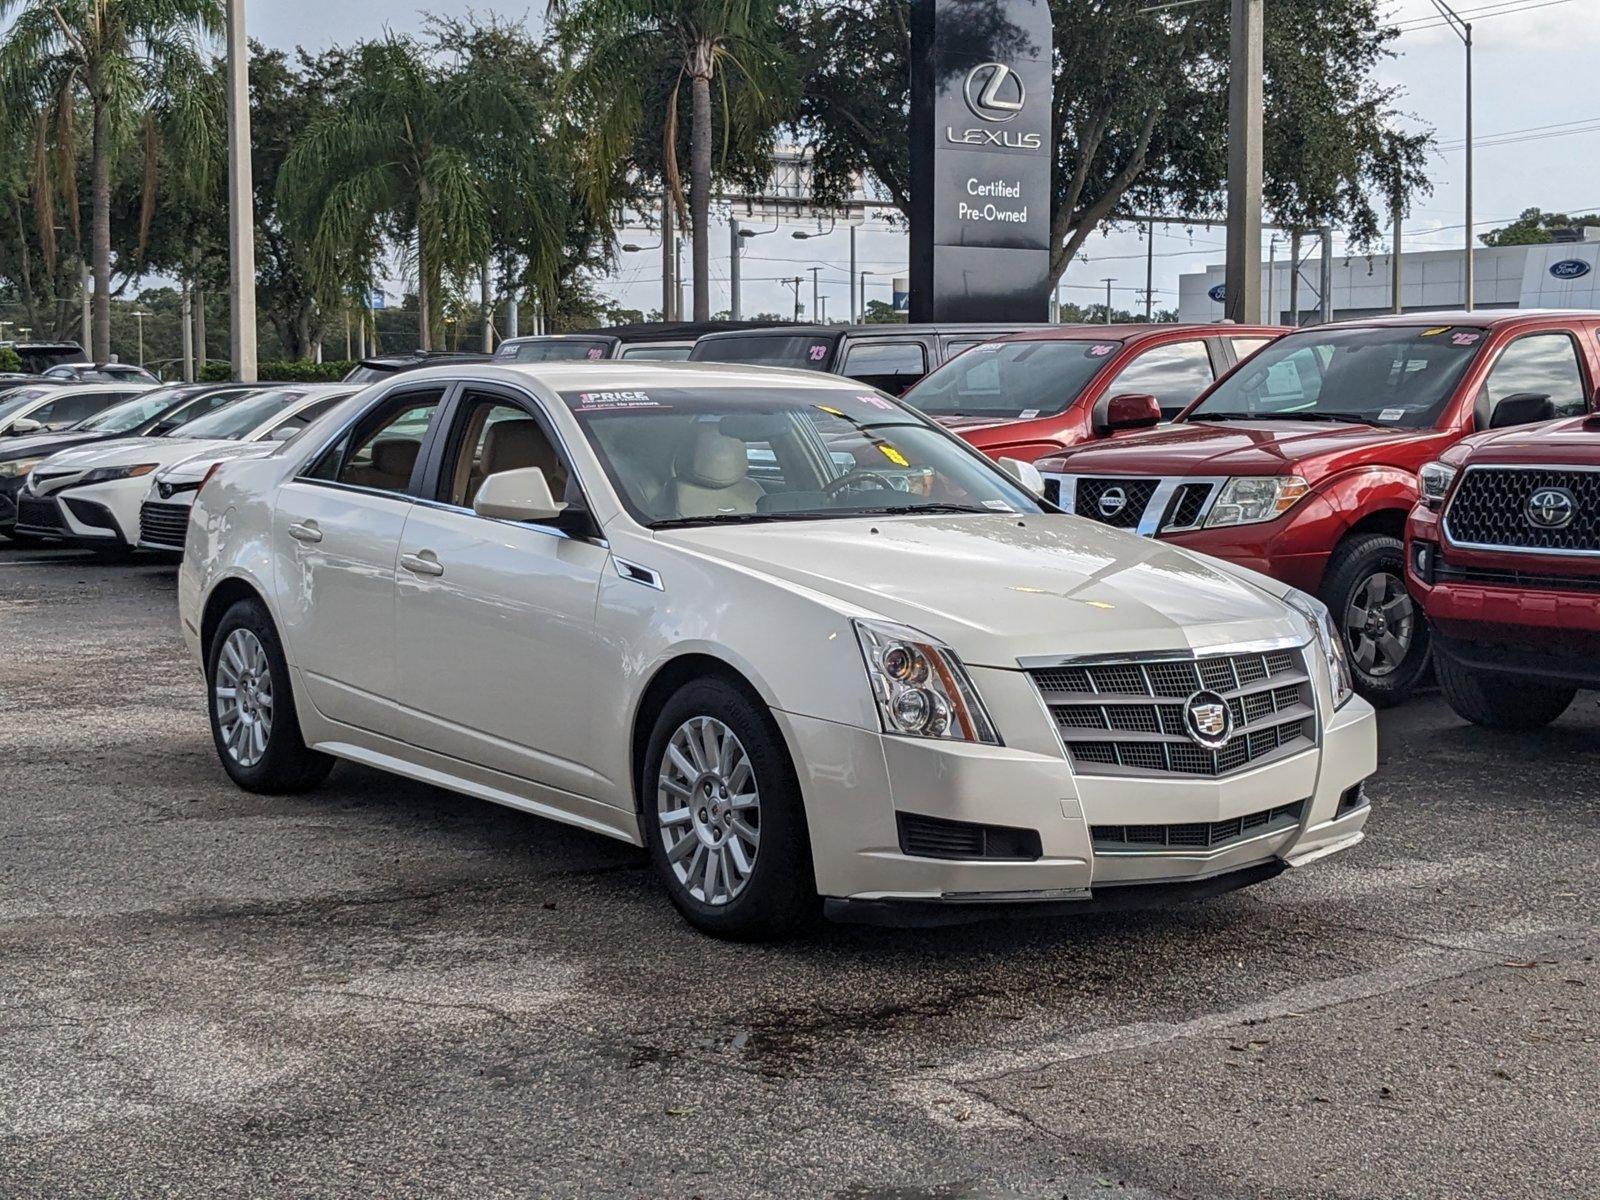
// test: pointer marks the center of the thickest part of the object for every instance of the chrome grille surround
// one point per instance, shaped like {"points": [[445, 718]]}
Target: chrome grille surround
{"points": [[1172, 505], [1124, 715], [1487, 507]]}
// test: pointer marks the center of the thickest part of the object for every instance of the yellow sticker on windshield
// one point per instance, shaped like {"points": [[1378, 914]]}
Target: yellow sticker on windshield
{"points": [[1435, 331], [893, 455], [832, 412]]}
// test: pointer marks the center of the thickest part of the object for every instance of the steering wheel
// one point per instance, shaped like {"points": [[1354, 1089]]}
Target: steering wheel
{"points": [[856, 479]]}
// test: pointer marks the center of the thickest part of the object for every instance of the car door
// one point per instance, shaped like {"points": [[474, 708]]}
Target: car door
{"points": [[1547, 363], [495, 619], [335, 540]]}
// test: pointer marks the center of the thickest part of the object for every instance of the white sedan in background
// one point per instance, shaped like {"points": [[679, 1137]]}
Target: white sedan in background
{"points": [[92, 496], [876, 670]]}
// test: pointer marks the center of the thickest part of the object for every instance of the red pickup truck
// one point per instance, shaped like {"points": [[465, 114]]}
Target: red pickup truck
{"points": [[1503, 554], [1034, 393], [1302, 462]]}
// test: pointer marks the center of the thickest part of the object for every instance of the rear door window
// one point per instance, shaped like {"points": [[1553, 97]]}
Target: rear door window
{"points": [[889, 366]]}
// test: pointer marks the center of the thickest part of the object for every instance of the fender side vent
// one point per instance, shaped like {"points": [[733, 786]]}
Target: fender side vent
{"points": [[936, 837]]}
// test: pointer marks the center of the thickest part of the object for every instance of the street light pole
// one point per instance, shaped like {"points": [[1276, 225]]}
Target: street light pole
{"points": [[241, 201], [733, 268], [1463, 30], [863, 316], [139, 315], [1108, 282], [815, 292]]}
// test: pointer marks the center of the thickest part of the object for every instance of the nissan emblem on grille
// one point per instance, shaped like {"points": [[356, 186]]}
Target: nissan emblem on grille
{"points": [[1551, 508], [1112, 501], [1207, 720]]}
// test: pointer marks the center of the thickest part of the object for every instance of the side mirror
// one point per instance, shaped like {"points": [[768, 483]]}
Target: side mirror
{"points": [[1024, 473], [521, 495], [1522, 408], [24, 425], [1114, 413]]}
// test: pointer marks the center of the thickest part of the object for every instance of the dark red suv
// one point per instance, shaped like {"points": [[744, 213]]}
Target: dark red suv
{"points": [[1030, 394], [1503, 554], [1302, 462]]}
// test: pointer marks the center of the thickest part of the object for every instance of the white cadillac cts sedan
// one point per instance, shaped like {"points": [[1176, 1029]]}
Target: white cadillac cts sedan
{"points": [[774, 626]]}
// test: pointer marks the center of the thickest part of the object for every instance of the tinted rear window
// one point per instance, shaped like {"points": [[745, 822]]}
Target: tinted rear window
{"points": [[558, 350], [809, 352]]}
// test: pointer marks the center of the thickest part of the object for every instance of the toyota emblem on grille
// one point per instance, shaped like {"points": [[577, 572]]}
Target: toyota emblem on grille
{"points": [[165, 489], [1551, 508], [1208, 720], [1112, 501]]}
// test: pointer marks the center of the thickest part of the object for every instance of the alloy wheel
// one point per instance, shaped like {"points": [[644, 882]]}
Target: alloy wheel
{"points": [[243, 697], [1380, 624], [709, 810]]}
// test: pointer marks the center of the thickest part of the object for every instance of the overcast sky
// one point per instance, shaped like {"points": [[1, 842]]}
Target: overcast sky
{"points": [[1533, 75]]}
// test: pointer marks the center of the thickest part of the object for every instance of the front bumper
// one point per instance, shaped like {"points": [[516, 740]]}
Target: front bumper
{"points": [[858, 784], [92, 516]]}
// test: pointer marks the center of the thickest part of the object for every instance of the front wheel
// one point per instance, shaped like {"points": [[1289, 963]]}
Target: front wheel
{"points": [[253, 719], [723, 818], [1384, 631], [1498, 701]]}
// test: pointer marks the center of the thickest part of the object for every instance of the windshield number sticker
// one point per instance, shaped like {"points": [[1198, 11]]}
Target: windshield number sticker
{"points": [[875, 401], [596, 352], [1464, 339], [1101, 349], [1392, 414], [818, 352]]}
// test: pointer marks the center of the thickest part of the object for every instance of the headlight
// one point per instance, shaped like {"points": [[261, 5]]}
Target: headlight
{"points": [[10, 470], [107, 474], [921, 688], [1328, 640], [1435, 480], [1250, 499]]}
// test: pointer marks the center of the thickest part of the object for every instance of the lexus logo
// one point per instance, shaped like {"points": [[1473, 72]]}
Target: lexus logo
{"points": [[1208, 720], [1551, 508], [1112, 501], [994, 92]]}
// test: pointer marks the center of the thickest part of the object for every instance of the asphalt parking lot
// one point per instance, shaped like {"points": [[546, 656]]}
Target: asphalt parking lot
{"points": [[382, 989]]}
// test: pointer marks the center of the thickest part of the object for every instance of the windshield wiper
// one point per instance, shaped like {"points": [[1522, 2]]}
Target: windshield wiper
{"points": [[894, 510], [749, 518], [1304, 415]]}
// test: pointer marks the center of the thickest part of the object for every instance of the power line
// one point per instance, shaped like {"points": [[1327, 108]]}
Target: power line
{"points": [[1504, 9]]}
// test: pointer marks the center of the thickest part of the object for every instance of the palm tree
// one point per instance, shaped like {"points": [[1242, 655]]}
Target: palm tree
{"points": [[126, 60], [624, 44], [394, 158]]}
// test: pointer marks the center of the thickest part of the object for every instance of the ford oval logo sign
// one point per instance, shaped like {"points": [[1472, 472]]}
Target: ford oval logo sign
{"points": [[1220, 292], [1569, 268]]}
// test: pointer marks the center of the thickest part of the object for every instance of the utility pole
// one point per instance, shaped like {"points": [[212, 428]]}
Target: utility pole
{"points": [[1242, 297], [241, 201], [668, 290], [733, 268], [816, 304], [139, 315], [186, 330], [1326, 283], [1397, 207], [1270, 315], [850, 291], [795, 284], [1294, 278], [1463, 30], [677, 277], [486, 303], [1149, 269], [1108, 283]]}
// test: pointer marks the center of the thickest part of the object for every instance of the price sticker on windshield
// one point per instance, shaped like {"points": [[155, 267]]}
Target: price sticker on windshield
{"points": [[1392, 414]]}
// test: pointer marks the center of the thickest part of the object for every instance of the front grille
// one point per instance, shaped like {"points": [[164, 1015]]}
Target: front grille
{"points": [[164, 524], [1195, 835], [1119, 503], [1127, 718], [1188, 503], [937, 837], [1538, 580], [40, 514], [1491, 508]]}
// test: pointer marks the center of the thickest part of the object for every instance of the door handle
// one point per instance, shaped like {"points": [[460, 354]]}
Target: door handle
{"points": [[305, 531], [422, 564]]}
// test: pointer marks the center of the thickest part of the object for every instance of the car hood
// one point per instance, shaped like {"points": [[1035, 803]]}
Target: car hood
{"points": [[1001, 588], [127, 451], [1573, 442], [195, 466], [1231, 448], [35, 444]]}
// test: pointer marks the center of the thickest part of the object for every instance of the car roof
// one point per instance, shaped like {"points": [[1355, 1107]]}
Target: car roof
{"points": [[1138, 331], [624, 375], [1491, 317], [886, 329]]}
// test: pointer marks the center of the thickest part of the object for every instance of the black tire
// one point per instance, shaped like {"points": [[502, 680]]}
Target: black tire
{"points": [[286, 764], [778, 894], [1383, 676], [1499, 701]]}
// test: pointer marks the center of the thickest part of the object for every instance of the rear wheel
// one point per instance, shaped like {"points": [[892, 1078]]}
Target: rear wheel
{"points": [[253, 719], [1499, 701], [1385, 633], [723, 818]]}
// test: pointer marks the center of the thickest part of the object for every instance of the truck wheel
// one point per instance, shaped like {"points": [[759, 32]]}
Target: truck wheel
{"points": [[1384, 631], [1497, 701]]}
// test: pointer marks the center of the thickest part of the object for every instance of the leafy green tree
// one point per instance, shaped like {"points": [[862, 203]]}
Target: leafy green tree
{"points": [[1140, 103], [132, 63], [625, 50], [1535, 227]]}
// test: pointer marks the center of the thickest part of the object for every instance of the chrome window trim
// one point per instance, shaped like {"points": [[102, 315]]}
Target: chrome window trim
{"points": [[1160, 500], [1455, 491]]}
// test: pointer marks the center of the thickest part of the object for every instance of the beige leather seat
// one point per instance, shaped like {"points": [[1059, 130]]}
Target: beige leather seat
{"points": [[513, 445], [711, 478], [392, 461]]}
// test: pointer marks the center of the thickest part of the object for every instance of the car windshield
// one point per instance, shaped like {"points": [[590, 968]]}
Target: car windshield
{"points": [[559, 350], [701, 456], [1012, 380], [1394, 376], [236, 420], [130, 414], [809, 352]]}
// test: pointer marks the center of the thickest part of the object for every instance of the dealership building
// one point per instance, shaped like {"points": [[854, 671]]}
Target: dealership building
{"points": [[1550, 275]]}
